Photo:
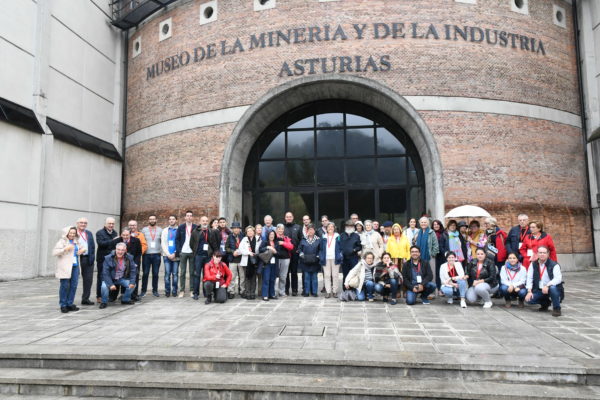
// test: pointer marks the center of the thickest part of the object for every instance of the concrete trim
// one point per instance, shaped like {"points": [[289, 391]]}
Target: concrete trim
{"points": [[575, 261], [292, 94], [420, 103]]}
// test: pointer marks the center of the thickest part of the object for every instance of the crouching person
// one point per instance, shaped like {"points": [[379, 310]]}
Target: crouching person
{"points": [[513, 278], [544, 283], [118, 270], [217, 277], [417, 278]]}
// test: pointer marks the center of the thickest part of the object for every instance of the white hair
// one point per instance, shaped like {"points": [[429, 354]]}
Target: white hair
{"points": [[424, 219], [280, 226], [491, 220], [121, 245], [523, 215]]}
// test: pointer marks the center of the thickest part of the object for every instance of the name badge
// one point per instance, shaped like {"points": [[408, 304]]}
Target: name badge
{"points": [[152, 245], [171, 243], [272, 260], [520, 244], [205, 247], [529, 253], [74, 260], [541, 285], [218, 284], [419, 279]]}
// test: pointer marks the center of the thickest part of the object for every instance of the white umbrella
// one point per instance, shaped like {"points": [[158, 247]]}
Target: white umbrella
{"points": [[467, 211]]}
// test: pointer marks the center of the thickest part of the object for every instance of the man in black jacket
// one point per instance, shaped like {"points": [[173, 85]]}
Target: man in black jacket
{"points": [[184, 251], [204, 242], [134, 249], [118, 270], [516, 235], [417, 278], [294, 232], [351, 246], [234, 256], [86, 238], [107, 240]]}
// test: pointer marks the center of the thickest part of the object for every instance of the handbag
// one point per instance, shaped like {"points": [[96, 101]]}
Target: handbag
{"points": [[310, 259], [354, 281], [348, 295], [266, 256], [252, 260]]}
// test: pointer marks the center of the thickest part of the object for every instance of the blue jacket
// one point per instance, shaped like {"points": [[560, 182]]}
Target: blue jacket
{"points": [[91, 247], [350, 244], [307, 249], [338, 251], [443, 245], [513, 239], [109, 269], [180, 237]]}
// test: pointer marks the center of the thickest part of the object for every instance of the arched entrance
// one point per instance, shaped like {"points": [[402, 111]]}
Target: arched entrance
{"points": [[333, 157], [292, 96]]}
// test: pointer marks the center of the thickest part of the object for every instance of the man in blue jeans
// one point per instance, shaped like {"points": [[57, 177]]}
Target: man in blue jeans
{"points": [[119, 269], [169, 252], [417, 278], [544, 283]]}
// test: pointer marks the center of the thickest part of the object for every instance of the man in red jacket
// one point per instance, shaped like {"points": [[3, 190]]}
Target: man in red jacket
{"points": [[216, 279]]}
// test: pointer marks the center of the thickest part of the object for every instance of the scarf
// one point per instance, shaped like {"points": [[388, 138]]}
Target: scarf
{"points": [[514, 268], [455, 245], [423, 243]]}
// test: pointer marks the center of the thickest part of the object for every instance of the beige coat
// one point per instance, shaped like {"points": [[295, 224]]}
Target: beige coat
{"points": [[64, 262], [374, 245]]}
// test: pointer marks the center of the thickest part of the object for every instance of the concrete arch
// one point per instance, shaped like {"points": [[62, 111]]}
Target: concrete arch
{"points": [[292, 94]]}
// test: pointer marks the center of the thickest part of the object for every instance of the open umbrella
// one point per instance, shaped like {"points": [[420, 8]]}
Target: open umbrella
{"points": [[467, 211]]}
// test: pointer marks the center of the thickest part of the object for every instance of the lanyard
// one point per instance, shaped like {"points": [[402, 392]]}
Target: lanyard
{"points": [[479, 268], [329, 241], [523, 235], [542, 271], [237, 242], [419, 268], [205, 232], [452, 271], [172, 233], [512, 277], [83, 235], [152, 234], [121, 262]]}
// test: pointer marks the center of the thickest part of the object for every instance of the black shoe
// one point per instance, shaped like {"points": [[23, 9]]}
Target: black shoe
{"points": [[315, 295], [208, 300], [73, 307], [155, 294], [294, 294], [174, 294], [272, 298], [243, 296], [87, 303], [64, 310], [127, 302], [167, 294], [102, 305], [304, 294], [196, 297], [543, 308], [231, 296]]}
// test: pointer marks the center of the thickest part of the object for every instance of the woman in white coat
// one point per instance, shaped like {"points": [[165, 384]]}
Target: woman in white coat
{"points": [[249, 247], [67, 251]]}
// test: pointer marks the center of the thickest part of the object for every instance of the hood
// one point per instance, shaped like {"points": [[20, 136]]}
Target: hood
{"points": [[396, 225], [65, 231]]}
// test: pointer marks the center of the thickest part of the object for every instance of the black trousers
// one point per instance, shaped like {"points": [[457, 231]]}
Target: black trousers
{"points": [[220, 294], [87, 275], [99, 265], [293, 271]]}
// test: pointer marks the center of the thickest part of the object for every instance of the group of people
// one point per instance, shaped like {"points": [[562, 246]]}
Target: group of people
{"points": [[460, 262]]}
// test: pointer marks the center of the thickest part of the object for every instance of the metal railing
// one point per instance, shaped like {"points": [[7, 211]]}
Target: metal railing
{"points": [[129, 13]]}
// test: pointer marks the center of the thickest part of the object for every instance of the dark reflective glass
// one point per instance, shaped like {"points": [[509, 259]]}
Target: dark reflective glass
{"points": [[270, 173], [308, 122], [330, 172], [332, 205], [276, 148], [330, 143], [391, 171], [412, 173], [417, 202], [273, 204], [387, 143], [352, 120], [360, 171], [362, 202], [360, 142], [301, 173], [302, 204], [301, 144], [330, 120], [392, 205]]}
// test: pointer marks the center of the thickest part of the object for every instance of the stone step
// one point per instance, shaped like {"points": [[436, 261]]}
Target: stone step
{"points": [[219, 385]]}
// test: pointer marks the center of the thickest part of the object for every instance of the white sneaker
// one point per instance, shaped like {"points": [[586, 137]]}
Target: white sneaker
{"points": [[488, 304], [463, 303], [450, 300], [181, 294]]}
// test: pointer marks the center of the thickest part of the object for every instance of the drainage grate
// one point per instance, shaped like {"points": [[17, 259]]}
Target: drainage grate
{"points": [[300, 330]]}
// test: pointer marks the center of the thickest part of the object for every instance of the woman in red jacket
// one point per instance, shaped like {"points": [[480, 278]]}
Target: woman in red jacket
{"points": [[217, 278], [536, 239], [496, 238]]}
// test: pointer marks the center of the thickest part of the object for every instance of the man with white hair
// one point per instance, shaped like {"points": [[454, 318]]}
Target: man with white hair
{"points": [[87, 258], [107, 239], [267, 227], [517, 235], [119, 270], [426, 240]]}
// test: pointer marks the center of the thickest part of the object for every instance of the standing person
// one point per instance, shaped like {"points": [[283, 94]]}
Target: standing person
{"points": [[306, 222], [387, 231], [308, 252], [387, 278], [204, 242], [294, 232], [455, 242], [87, 258], [249, 248], [107, 239], [363, 274], [152, 234], [284, 253], [169, 252], [417, 278], [544, 282], [513, 278], [214, 223], [454, 279], [398, 246], [267, 227], [133, 230], [269, 248], [517, 235], [411, 231], [483, 281], [360, 230], [216, 279], [258, 230], [350, 244], [495, 249], [224, 233], [377, 227], [372, 241], [134, 248], [234, 256], [354, 218], [426, 241], [534, 240], [67, 251], [330, 259], [463, 230], [119, 270], [440, 258], [477, 238], [185, 252], [322, 231]]}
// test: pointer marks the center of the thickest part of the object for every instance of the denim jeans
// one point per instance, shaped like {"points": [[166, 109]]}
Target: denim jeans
{"points": [[380, 288], [411, 297], [199, 262], [151, 260], [124, 283], [544, 300], [369, 288], [171, 270], [269, 274], [509, 296], [311, 283], [68, 287], [460, 291]]}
